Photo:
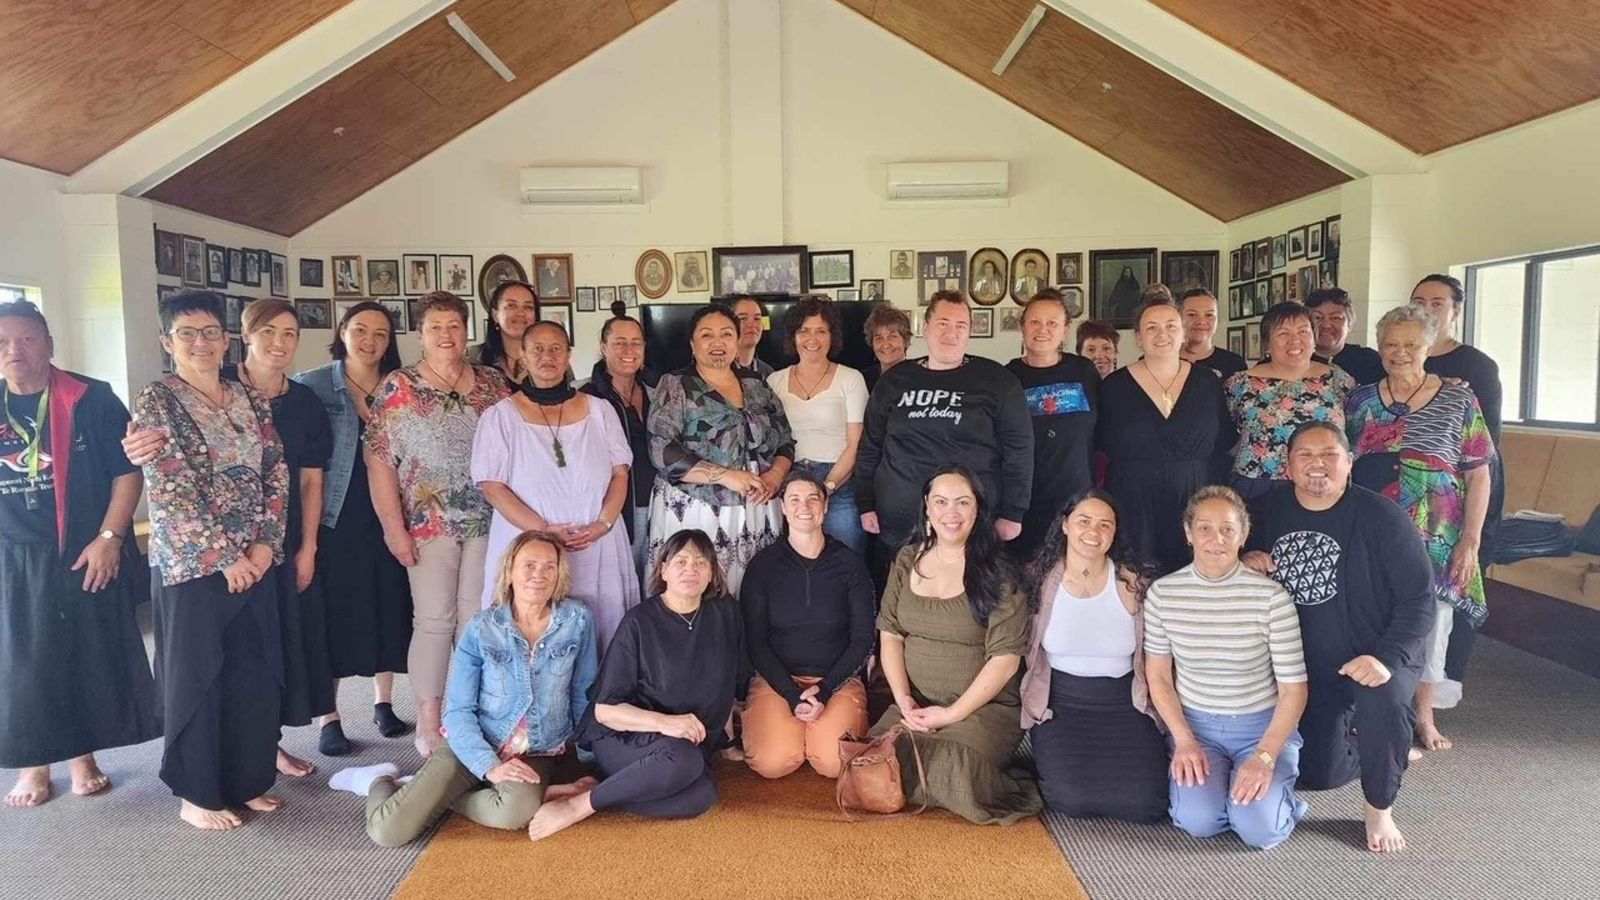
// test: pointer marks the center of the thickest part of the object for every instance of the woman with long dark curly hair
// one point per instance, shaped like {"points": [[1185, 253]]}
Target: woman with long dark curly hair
{"points": [[1097, 753], [953, 627]]}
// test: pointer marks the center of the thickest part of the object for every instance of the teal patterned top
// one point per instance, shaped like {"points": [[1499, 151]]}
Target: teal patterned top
{"points": [[691, 422]]}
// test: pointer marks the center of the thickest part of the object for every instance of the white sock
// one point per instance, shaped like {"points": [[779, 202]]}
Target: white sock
{"points": [[404, 780], [358, 779]]}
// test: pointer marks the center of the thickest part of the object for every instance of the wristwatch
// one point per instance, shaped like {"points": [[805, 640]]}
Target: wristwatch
{"points": [[1267, 759], [109, 535], [830, 486]]}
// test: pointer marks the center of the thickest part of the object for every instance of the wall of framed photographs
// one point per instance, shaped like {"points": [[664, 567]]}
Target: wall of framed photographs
{"points": [[1274, 270]]}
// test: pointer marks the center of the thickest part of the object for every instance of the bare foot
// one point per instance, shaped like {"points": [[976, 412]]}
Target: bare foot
{"points": [[265, 803], [293, 766], [209, 819], [1429, 738], [32, 787], [559, 814], [735, 753], [562, 791], [87, 779], [1382, 835]]}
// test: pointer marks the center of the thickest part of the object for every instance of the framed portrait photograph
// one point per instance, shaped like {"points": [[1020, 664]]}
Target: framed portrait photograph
{"points": [[1030, 271], [235, 355], [987, 276], [194, 262], [585, 301], [1330, 237], [691, 267], [1069, 268], [233, 313], [552, 277], [454, 274], [1294, 291], [399, 315], [1314, 240], [983, 323], [1233, 266], [169, 254], [1186, 270], [421, 272], [1278, 291], [310, 272], [1116, 279], [1073, 295], [1297, 243], [1328, 271], [1306, 280], [561, 315], [1247, 262], [605, 296], [1236, 339], [1010, 318], [279, 275], [628, 294], [652, 273], [833, 268], [314, 314], [1252, 341], [940, 270], [1280, 251], [216, 266], [498, 269], [901, 264], [383, 277], [252, 267], [1235, 311], [235, 265], [872, 289], [760, 270], [346, 276], [1263, 295], [847, 295], [1263, 257], [163, 291]]}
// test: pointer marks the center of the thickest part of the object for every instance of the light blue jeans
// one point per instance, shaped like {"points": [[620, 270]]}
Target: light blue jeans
{"points": [[1206, 810], [843, 521]]}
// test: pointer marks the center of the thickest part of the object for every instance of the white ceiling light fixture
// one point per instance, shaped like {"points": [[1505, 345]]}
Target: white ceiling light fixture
{"points": [[1023, 33], [478, 46]]}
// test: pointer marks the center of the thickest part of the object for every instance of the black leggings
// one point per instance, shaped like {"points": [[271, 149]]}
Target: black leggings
{"points": [[1352, 731], [652, 775]]}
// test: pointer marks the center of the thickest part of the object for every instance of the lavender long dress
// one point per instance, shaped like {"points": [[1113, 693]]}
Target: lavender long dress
{"points": [[521, 455]]}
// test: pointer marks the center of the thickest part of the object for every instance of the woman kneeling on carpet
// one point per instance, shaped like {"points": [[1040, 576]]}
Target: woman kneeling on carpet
{"points": [[953, 630], [1097, 743], [519, 685], [663, 696]]}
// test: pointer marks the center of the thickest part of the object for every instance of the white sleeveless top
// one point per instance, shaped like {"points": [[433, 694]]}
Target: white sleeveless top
{"points": [[1090, 637]]}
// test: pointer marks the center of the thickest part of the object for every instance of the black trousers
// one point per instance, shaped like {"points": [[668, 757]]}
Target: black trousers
{"points": [[652, 775], [1353, 732], [1098, 756]]}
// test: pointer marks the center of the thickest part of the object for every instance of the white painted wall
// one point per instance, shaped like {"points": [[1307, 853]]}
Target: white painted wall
{"points": [[31, 233], [848, 98]]}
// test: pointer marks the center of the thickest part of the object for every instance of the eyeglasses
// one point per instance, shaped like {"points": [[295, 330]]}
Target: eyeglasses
{"points": [[187, 335]]}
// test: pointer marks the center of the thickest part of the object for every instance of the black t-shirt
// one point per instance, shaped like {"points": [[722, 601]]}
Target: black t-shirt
{"points": [[1223, 362], [307, 436], [99, 421], [1359, 575], [1064, 401], [1481, 374], [811, 617], [657, 662], [1363, 363]]}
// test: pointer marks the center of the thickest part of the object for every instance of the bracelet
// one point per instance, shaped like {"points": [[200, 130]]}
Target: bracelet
{"points": [[609, 525], [1267, 759]]}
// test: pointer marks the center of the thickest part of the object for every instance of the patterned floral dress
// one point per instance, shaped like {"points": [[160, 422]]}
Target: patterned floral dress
{"points": [[1267, 411], [1420, 460]]}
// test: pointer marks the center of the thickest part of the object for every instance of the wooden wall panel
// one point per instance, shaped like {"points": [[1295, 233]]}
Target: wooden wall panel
{"points": [[1428, 73], [1146, 120], [392, 108], [80, 77]]}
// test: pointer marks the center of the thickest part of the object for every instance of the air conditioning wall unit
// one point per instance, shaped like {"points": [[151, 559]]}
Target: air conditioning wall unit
{"points": [[582, 185], [976, 180]]}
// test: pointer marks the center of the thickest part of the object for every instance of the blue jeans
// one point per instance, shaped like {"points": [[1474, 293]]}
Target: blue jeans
{"points": [[843, 521], [1206, 810]]}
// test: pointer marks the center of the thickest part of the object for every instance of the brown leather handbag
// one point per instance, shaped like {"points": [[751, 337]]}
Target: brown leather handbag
{"points": [[869, 775]]}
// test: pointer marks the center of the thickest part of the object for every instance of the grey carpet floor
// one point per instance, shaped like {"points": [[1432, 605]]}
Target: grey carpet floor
{"points": [[1512, 812]]}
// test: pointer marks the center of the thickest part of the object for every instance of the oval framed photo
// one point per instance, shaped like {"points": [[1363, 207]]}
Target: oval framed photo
{"points": [[1030, 271], [653, 274], [986, 276], [495, 270]]}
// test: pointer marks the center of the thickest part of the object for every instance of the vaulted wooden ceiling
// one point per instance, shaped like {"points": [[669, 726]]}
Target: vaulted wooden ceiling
{"points": [[1113, 101], [79, 77], [391, 109], [1428, 73]]}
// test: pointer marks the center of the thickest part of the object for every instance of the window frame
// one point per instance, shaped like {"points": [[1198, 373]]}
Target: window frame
{"points": [[1532, 287]]}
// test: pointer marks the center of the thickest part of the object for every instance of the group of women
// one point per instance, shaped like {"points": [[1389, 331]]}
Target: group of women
{"points": [[487, 528]]}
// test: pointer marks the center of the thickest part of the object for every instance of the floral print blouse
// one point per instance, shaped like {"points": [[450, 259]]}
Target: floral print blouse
{"points": [[691, 422], [1268, 410], [426, 434], [220, 483]]}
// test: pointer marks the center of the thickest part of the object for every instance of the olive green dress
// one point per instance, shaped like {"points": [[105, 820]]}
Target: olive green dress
{"points": [[968, 764]]}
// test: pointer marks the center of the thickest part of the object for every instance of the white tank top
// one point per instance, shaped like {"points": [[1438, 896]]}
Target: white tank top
{"points": [[1090, 637]]}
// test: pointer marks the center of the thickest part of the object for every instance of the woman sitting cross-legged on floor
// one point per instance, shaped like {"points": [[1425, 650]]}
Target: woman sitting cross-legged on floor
{"points": [[518, 688], [664, 694], [808, 613], [1233, 637], [954, 628], [1097, 743]]}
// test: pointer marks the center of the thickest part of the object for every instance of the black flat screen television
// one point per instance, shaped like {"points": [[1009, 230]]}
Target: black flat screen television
{"points": [[666, 334]]}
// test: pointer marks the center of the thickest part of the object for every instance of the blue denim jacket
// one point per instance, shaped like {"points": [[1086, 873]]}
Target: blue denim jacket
{"points": [[492, 685], [327, 382]]}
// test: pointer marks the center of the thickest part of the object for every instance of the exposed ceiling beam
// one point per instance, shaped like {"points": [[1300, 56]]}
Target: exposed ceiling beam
{"points": [[1248, 88], [251, 95], [1023, 33]]}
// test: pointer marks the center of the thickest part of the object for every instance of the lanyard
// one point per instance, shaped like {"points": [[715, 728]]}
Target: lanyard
{"points": [[33, 447]]}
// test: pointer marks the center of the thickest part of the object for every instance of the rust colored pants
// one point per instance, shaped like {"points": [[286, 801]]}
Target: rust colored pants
{"points": [[776, 743]]}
